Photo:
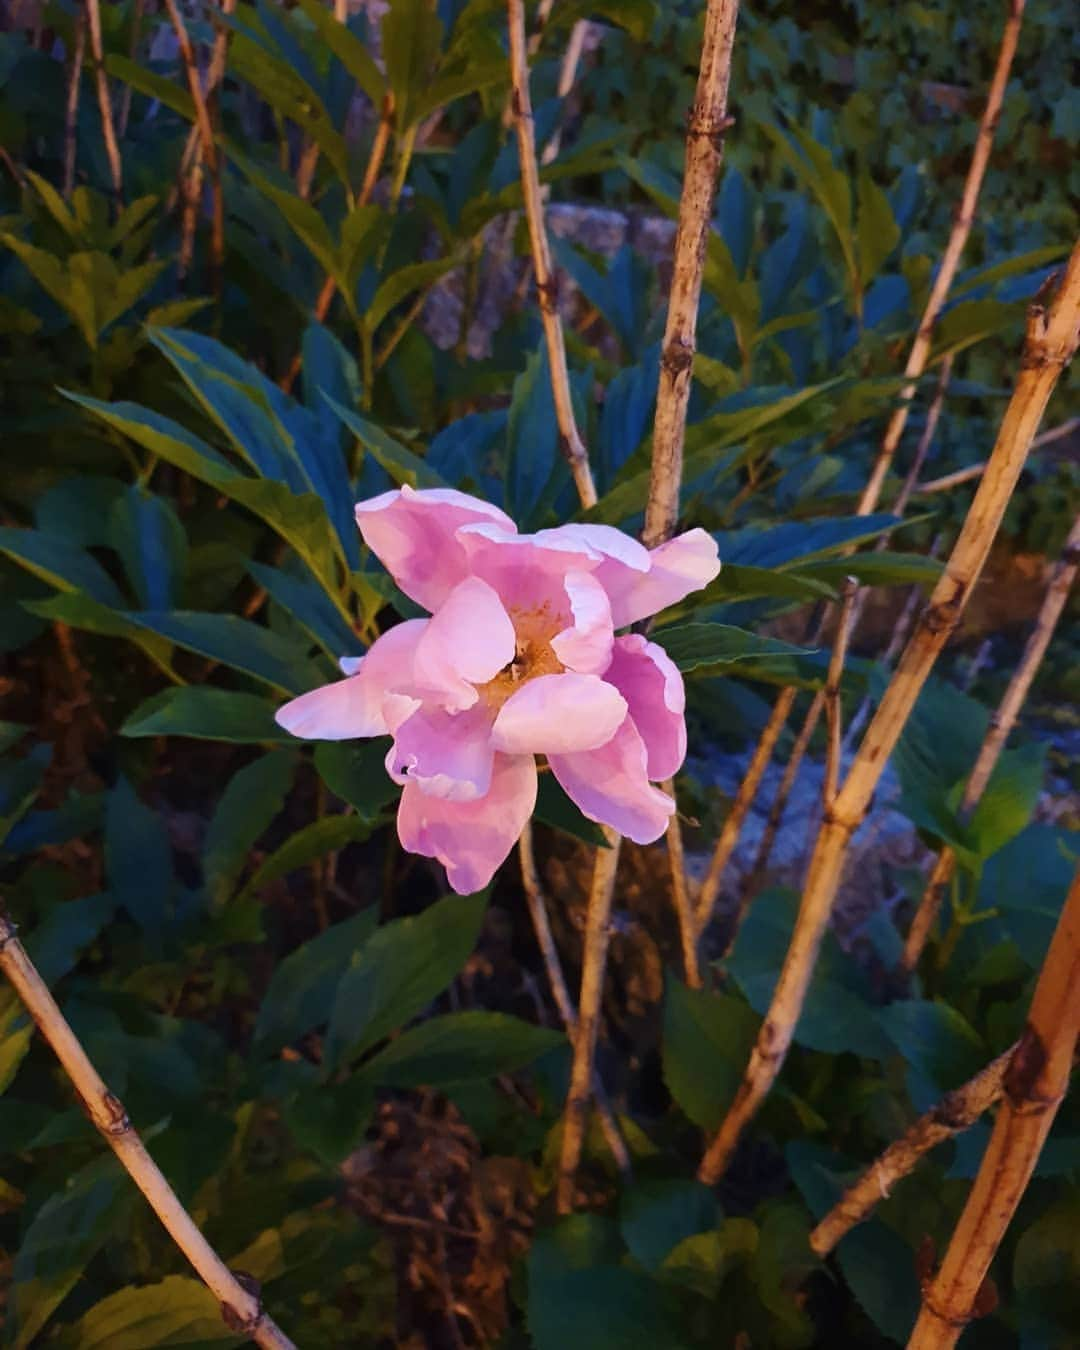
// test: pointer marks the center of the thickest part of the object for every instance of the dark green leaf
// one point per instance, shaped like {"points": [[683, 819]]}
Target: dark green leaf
{"points": [[707, 1038], [138, 859], [401, 464], [355, 771], [60, 564], [555, 808], [255, 795], [656, 1215], [459, 1047], [316, 840], [206, 714], [691, 645], [146, 532], [238, 643], [178, 1311]]}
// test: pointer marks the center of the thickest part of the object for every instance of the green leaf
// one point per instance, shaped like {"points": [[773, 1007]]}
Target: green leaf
{"points": [[692, 645], [878, 232], [59, 563], [970, 322], [147, 533], [178, 1311], [405, 965], [301, 992], [207, 714], [255, 795], [138, 859], [532, 444], [829, 185], [168, 92], [355, 771], [162, 437], [401, 464], [1029, 261], [1009, 799], [314, 841], [60, 1241], [235, 642], [877, 569], [601, 1308], [707, 1038], [737, 582], [289, 94], [794, 543], [458, 1048], [635, 16], [655, 1215], [403, 283], [309, 604], [936, 1040], [349, 50], [411, 41], [555, 808]]}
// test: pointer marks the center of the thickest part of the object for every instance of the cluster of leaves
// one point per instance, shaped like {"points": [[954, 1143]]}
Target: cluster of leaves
{"points": [[219, 950]]}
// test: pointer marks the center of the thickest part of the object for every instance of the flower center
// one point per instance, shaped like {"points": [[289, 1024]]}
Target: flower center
{"points": [[533, 656]]}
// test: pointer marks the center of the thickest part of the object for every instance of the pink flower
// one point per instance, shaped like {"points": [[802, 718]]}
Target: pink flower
{"points": [[518, 659]]}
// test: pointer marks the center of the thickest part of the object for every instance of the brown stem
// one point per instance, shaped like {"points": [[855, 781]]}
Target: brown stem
{"points": [[965, 475], [1050, 342], [567, 73], [833, 710], [680, 894], [560, 991], [241, 1309], [1001, 724], [956, 1112], [933, 416], [1035, 1084], [371, 177], [210, 155], [521, 107], [593, 961], [108, 127], [71, 106], [740, 807], [704, 150], [950, 261]]}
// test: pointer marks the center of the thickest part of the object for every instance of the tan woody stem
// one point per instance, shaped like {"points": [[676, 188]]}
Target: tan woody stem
{"points": [[1001, 724], [241, 1308], [1035, 1084], [101, 83], [1050, 343]]}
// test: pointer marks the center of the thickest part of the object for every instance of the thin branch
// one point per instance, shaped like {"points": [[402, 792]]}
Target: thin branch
{"points": [[547, 288], [241, 1309], [593, 962], [956, 1112], [108, 127], [379, 147], [1050, 343], [965, 475], [545, 940], [933, 416], [740, 807], [1001, 725], [704, 150], [210, 155], [950, 260], [833, 709], [567, 74], [1035, 1084], [680, 895], [71, 106]]}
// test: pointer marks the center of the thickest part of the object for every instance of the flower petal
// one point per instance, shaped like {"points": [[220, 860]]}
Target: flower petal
{"points": [[610, 785], [527, 570], [467, 642], [585, 646], [653, 688], [445, 754], [413, 534], [682, 565], [556, 714], [471, 839], [372, 702]]}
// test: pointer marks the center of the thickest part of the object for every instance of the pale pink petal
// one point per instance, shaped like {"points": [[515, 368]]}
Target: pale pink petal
{"points": [[585, 646], [682, 565], [413, 534], [445, 754], [610, 785], [653, 688], [467, 642], [553, 714], [527, 571], [609, 546], [471, 839], [370, 703]]}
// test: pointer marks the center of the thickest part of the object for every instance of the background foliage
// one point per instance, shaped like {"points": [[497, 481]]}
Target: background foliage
{"points": [[353, 1081]]}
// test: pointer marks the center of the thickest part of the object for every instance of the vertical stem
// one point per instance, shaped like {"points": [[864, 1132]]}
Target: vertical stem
{"points": [[560, 991], [128, 90], [950, 260], [1035, 1084], [680, 892], [594, 956], [704, 151], [1001, 724], [1050, 343], [740, 807], [108, 127], [71, 108], [567, 73], [241, 1309], [521, 106], [833, 719]]}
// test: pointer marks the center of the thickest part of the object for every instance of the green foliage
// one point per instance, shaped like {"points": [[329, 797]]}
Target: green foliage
{"points": [[225, 916]]}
